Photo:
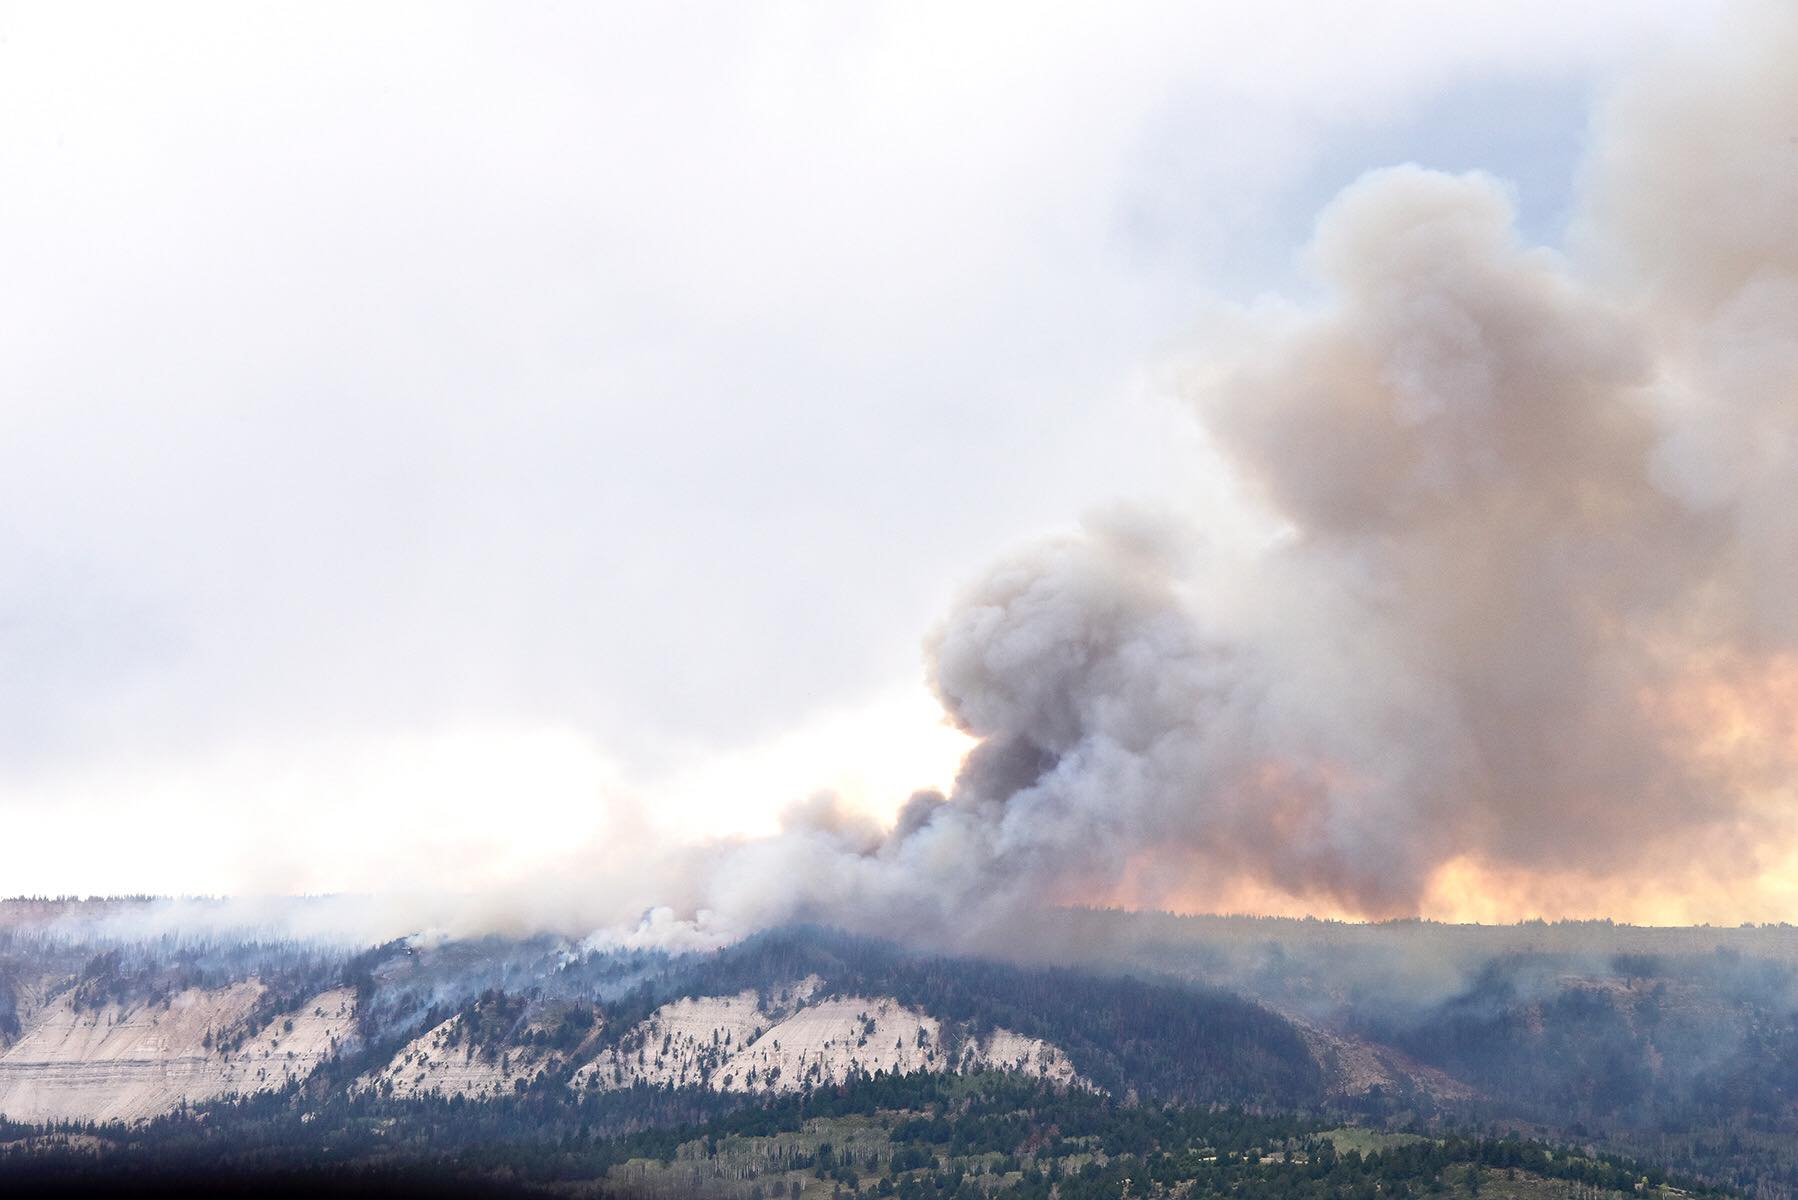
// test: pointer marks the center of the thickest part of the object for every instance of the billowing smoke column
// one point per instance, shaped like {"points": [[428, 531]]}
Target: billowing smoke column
{"points": [[1532, 612]]}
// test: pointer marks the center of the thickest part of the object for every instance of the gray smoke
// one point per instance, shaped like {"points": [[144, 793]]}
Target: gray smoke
{"points": [[1530, 610]]}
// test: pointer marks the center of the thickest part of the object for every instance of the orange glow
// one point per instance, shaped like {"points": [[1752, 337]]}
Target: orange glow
{"points": [[1734, 718], [1731, 720], [1149, 883], [1464, 890]]}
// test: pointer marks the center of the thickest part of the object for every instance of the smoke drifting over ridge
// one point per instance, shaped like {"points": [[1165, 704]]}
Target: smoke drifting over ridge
{"points": [[1526, 642], [1523, 641]]}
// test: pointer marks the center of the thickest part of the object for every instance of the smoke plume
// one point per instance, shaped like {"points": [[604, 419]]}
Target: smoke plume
{"points": [[1527, 629]]}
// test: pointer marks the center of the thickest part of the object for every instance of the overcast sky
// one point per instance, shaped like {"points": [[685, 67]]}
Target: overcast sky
{"points": [[435, 439]]}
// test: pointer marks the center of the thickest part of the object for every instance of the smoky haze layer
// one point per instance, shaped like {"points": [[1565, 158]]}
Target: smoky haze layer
{"points": [[1519, 639], [1522, 630]]}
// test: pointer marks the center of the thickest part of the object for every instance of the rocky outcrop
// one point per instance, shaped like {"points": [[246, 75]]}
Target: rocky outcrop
{"points": [[799, 1039], [444, 1061], [129, 1062], [1353, 1067]]}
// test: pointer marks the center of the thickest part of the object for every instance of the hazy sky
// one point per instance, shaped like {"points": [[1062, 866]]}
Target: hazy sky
{"points": [[435, 441]]}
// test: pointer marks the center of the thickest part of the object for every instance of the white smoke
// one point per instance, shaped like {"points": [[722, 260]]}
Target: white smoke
{"points": [[1541, 537], [1532, 608]]}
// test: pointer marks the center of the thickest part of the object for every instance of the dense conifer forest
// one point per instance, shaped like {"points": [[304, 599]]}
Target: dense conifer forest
{"points": [[918, 1137]]}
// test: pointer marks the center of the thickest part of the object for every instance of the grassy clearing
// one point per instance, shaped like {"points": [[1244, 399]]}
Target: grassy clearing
{"points": [[1368, 1141]]}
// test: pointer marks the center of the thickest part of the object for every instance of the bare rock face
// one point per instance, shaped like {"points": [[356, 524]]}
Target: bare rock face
{"points": [[443, 1061], [739, 1043], [135, 1061], [1355, 1067]]}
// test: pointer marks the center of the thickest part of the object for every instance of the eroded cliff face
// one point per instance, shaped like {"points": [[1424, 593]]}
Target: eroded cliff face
{"points": [[445, 1061], [797, 1038], [1353, 1066], [130, 1062]]}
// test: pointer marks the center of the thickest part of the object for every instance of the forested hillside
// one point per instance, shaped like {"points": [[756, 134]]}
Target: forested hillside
{"points": [[1116, 1028], [1687, 1059], [988, 1137]]}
